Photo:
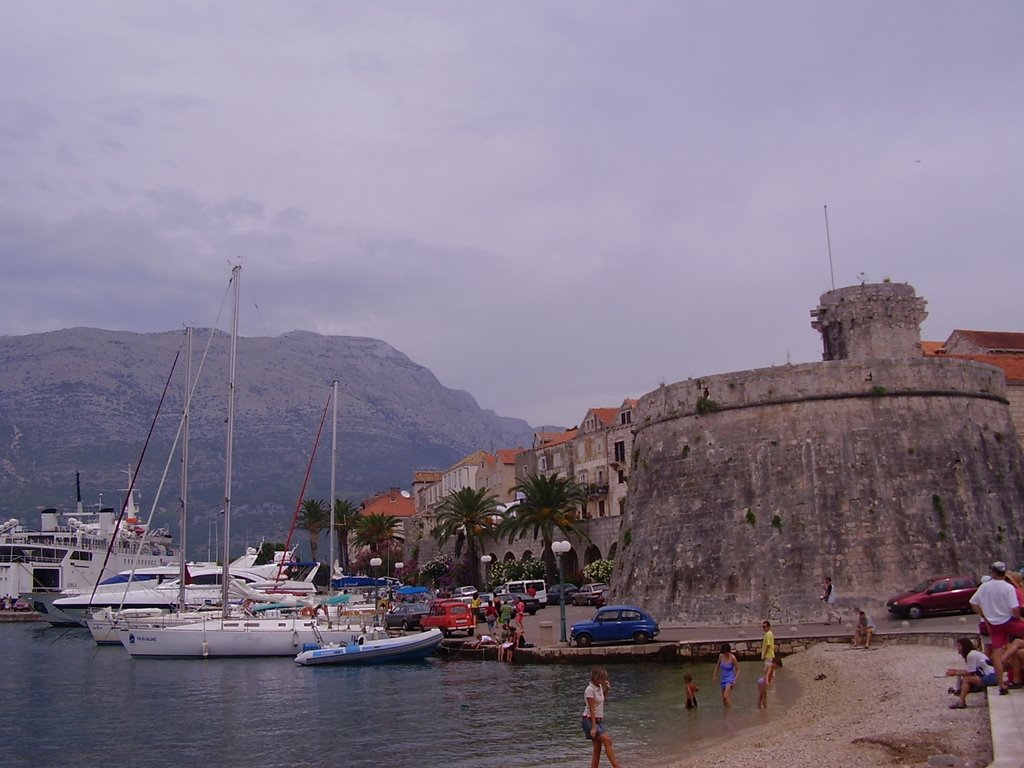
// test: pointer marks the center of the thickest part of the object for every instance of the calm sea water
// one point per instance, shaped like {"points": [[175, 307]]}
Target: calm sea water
{"points": [[67, 701]]}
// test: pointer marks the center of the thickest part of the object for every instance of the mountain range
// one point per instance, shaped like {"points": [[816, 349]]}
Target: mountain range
{"points": [[84, 400]]}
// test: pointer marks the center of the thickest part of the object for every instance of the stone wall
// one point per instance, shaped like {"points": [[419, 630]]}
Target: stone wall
{"points": [[748, 488]]}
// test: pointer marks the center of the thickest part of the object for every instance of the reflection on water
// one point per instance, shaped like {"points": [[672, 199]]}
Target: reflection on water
{"points": [[77, 701]]}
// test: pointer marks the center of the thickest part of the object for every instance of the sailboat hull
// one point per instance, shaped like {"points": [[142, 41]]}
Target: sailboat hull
{"points": [[219, 637]]}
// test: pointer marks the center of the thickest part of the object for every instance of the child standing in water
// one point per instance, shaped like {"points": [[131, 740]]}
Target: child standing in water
{"points": [[691, 692], [727, 668], [764, 681]]}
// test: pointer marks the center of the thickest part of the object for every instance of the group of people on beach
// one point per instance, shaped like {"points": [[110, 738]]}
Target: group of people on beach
{"points": [[999, 601], [727, 671]]}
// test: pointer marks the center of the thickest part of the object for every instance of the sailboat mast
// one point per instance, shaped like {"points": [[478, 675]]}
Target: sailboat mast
{"points": [[184, 468], [334, 463], [235, 276]]}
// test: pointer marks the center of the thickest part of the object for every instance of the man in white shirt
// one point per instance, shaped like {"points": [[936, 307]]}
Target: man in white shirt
{"points": [[996, 601]]}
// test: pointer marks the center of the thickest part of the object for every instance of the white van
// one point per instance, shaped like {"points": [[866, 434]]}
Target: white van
{"points": [[524, 587]]}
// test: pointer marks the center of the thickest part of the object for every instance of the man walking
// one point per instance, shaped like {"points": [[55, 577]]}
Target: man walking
{"points": [[996, 602], [828, 594], [768, 653]]}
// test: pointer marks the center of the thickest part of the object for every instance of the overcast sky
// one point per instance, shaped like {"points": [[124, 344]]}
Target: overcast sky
{"points": [[552, 205]]}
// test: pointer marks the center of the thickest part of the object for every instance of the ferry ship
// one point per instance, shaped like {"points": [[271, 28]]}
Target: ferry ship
{"points": [[68, 549]]}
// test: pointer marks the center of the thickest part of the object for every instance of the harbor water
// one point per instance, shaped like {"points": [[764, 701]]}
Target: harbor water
{"points": [[67, 701]]}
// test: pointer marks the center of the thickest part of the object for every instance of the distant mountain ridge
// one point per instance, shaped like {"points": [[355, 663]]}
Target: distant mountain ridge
{"points": [[83, 399]]}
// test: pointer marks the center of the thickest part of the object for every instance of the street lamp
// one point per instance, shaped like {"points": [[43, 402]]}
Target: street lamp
{"points": [[560, 548], [375, 563], [486, 560]]}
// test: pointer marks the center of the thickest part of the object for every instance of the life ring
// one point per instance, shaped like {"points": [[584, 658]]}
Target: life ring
{"points": [[306, 611]]}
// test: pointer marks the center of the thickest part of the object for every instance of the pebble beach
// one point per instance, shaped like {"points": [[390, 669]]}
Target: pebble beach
{"points": [[862, 709]]}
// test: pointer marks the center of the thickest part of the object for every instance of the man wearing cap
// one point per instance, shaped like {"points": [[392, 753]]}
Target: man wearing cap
{"points": [[996, 602]]}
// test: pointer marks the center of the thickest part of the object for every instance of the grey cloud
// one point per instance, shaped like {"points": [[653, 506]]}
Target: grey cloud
{"points": [[24, 121]]}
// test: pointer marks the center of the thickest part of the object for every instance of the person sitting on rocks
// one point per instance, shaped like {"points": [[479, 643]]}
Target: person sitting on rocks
{"points": [[978, 675]]}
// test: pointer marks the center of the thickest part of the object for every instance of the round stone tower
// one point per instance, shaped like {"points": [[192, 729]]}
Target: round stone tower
{"points": [[877, 467], [865, 322]]}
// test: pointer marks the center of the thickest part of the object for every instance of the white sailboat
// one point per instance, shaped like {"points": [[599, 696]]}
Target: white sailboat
{"points": [[229, 634]]}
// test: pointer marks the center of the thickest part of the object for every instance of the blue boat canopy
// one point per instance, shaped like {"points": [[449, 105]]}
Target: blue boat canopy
{"points": [[412, 590]]}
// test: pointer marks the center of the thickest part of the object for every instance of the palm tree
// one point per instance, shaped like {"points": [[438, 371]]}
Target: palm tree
{"points": [[372, 531], [467, 515], [314, 519], [548, 504], [345, 518]]}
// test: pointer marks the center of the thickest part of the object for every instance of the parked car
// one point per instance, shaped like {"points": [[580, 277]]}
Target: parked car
{"points": [[590, 594], [21, 604], [450, 616], [467, 591], [406, 616], [557, 590], [615, 624], [531, 604], [940, 594], [533, 587]]}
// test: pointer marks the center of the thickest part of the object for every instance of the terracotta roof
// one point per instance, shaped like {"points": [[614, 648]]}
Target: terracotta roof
{"points": [[391, 502], [427, 475], [1012, 365], [550, 439], [1002, 340], [629, 402], [508, 455], [932, 348], [607, 416]]}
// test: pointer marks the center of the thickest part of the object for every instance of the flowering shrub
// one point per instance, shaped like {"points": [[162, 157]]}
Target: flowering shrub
{"points": [[599, 571], [515, 570], [437, 570]]}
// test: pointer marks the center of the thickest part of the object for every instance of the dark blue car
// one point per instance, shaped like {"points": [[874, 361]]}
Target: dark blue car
{"points": [[615, 624]]}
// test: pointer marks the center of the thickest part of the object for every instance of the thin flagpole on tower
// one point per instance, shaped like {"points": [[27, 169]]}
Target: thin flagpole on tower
{"points": [[828, 239]]}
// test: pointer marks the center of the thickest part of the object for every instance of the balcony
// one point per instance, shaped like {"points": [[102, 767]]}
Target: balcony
{"points": [[594, 490]]}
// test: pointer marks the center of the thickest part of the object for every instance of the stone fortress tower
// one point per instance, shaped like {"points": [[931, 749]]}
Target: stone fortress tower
{"points": [[878, 467]]}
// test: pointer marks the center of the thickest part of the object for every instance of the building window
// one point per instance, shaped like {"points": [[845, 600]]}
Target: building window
{"points": [[620, 451], [622, 477], [600, 509], [558, 460], [626, 417], [542, 462]]}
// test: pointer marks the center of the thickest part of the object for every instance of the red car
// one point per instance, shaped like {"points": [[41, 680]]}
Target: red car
{"points": [[939, 594], [450, 616]]}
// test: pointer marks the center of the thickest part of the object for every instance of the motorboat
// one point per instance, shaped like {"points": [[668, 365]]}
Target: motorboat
{"points": [[163, 589], [361, 649]]}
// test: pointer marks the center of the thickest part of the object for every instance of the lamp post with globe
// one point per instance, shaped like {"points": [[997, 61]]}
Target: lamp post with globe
{"points": [[559, 548], [375, 563], [485, 560]]}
